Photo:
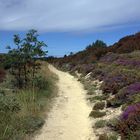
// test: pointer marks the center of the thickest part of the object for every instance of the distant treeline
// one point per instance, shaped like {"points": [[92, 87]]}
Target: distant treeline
{"points": [[96, 50]]}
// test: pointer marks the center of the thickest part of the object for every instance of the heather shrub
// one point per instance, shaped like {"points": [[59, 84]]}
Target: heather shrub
{"points": [[99, 98], [103, 137], [97, 114], [135, 98], [100, 124], [132, 109], [99, 106], [113, 136], [114, 103], [118, 79], [97, 72], [129, 125], [112, 123], [113, 84], [129, 94], [132, 63]]}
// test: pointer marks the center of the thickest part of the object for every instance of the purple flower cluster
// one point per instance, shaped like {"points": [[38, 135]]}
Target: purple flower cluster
{"points": [[127, 62], [113, 83], [134, 88], [130, 111], [128, 91]]}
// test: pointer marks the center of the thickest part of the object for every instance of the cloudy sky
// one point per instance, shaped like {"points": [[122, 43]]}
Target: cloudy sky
{"points": [[69, 25]]}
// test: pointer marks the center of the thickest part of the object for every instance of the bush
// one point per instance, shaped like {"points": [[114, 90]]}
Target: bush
{"points": [[129, 125], [103, 137], [100, 124], [113, 123], [119, 79], [99, 98], [126, 93], [97, 114], [99, 106], [114, 103], [113, 136]]}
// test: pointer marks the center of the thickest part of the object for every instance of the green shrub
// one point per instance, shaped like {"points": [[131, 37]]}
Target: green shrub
{"points": [[100, 124], [99, 106], [90, 93], [103, 137], [99, 98], [114, 103], [112, 123], [97, 114], [113, 136], [129, 124]]}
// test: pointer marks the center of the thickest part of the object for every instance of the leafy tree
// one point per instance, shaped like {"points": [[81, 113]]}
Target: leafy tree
{"points": [[23, 58], [99, 43]]}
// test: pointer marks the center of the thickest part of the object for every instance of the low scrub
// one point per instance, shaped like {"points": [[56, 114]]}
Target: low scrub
{"points": [[98, 98], [97, 114], [99, 106], [112, 123], [100, 124], [130, 123], [113, 136], [22, 111]]}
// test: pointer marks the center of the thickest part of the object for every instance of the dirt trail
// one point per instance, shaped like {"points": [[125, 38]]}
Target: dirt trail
{"points": [[68, 119]]}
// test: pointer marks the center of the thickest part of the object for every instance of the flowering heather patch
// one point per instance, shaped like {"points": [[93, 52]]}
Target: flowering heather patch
{"points": [[118, 79], [129, 125], [130, 111], [128, 91], [128, 62], [134, 88], [112, 84]]}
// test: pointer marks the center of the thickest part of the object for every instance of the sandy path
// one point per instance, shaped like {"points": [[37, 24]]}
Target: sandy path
{"points": [[68, 119]]}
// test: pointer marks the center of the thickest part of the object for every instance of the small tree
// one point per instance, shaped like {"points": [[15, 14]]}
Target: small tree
{"points": [[23, 58]]}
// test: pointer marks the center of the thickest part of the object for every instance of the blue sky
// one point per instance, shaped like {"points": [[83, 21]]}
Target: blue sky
{"points": [[67, 26]]}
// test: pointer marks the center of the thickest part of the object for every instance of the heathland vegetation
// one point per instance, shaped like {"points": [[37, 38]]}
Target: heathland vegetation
{"points": [[26, 86], [111, 74]]}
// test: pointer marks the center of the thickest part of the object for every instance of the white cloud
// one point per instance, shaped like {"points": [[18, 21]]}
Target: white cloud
{"points": [[67, 15]]}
